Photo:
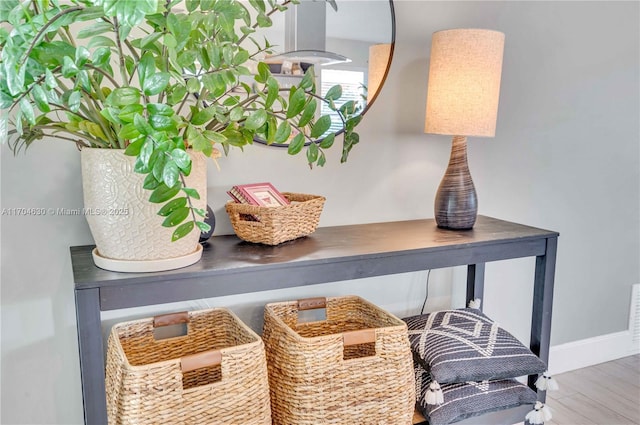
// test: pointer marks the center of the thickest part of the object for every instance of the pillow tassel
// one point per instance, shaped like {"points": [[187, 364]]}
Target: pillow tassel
{"points": [[434, 394], [546, 382], [475, 303], [539, 415]]}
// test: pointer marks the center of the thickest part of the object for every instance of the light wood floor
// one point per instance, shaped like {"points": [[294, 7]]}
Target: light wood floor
{"points": [[604, 394]]}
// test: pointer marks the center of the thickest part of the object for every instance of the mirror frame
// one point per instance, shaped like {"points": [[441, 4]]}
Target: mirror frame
{"points": [[373, 99]]}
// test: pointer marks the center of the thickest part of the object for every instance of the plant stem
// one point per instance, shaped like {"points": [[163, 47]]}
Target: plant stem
{"points": [[105, 73], [42, 31], [165, 55], [123, 68], [90, 139]]}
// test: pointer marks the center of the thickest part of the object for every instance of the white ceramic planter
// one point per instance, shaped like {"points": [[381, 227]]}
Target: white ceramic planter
{"points": [[125, 226]]}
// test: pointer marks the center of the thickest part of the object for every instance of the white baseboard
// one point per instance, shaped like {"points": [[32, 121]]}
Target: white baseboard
{"points": [[591, 351]]}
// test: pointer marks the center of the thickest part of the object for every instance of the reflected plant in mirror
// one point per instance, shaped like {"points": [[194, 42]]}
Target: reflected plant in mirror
{"points": [[157, 79], [348, 43]]}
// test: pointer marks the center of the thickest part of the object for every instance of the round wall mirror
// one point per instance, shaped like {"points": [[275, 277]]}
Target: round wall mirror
{"points": [[347, 42]]}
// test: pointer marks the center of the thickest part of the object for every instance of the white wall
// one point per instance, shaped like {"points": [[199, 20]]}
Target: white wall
{"points": [[565, 157]]}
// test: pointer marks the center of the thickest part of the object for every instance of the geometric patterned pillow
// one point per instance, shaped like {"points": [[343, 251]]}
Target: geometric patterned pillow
{"points": [[465, 345], [463, 400]]}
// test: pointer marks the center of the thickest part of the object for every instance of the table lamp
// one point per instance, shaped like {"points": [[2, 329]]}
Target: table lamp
{"points": [[462, 100]]}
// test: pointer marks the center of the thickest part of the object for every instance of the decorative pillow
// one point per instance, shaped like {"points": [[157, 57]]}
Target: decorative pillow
{"points": [[465, 345], [463, 400]]}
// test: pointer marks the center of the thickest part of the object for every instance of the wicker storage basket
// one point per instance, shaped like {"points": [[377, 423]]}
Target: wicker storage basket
{"points": [[355, 367], [275, 225], [216, 374]]}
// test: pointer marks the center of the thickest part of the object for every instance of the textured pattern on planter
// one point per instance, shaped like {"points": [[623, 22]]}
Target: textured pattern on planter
{"points": [[124, 224]]}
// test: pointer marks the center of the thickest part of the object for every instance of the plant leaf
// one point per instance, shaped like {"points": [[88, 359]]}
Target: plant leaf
{"points": [[296, 144], [101, 57], [334, 93], [69, 68], [129, 132], [283, 132], [263, 72], [82, 56], [202, 116], [49, 80], [308, 80], [156, 83], [256, 120], [312, 153], [145, 151], [182, 231], [160, 109], [296, 102], [161, 122], [134, 149], [146, 68], [327, 142], [322, 159], [204, 227], [142, 125], [170, 173], [150, 182], [176, 217], [181, 158], [129, 12], [158, 166], [236, 114], [191, 192], [193, 85], [273, 89], [74, 101], [40, 98], [172, 205], [101, 41], [308, 114], [321, 126], [163, 193], [27, 110], [241, 57], [123, 96], [129, 112]]}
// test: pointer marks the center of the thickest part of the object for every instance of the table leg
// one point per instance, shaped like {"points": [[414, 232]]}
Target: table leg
{"points": [[542, 305], [475, 282], [91, 356]]}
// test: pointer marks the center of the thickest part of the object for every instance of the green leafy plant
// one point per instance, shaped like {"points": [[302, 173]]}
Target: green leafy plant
{"points": [[156, 78]]}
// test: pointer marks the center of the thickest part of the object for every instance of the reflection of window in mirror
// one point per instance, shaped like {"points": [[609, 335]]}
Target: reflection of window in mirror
{"points": [[352, 89]]}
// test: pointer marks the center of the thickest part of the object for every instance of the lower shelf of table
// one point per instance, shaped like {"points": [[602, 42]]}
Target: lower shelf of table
{"points": [[514, 415]]}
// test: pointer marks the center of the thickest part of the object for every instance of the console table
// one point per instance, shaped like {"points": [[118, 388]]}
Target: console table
{"points": [[231, 266]]}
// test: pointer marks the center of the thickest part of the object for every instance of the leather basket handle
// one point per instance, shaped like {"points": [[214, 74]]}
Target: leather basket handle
{"points": [[201, 360], [170, 319], [362, 336], [312, 303]]}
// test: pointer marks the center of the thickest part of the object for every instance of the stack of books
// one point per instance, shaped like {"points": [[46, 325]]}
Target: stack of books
{"points": [[262, 194]]}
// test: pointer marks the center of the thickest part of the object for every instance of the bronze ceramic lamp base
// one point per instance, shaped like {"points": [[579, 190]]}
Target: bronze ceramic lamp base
{"points": [[456, 205]]}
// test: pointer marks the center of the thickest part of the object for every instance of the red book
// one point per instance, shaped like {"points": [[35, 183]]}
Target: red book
{"points": [[263, 194]]}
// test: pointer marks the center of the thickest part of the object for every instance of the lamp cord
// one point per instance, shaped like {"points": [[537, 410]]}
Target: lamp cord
{"points": [[426, 295]]}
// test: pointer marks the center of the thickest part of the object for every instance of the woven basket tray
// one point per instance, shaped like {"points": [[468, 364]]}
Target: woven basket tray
{"points": [[216, 374], [275, 225], [355, 367]]}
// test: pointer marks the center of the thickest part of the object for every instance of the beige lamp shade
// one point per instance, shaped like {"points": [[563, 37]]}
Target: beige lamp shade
{"points": [[378, 60], [464, 82]]}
